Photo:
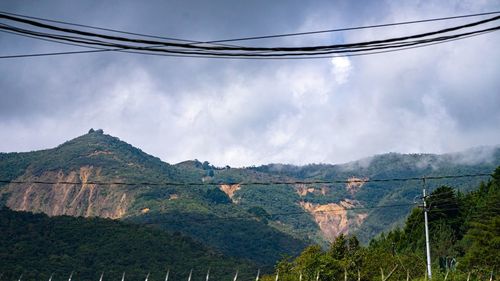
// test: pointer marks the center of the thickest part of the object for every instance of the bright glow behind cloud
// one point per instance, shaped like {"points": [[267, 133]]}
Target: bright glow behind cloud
{"points": [[341, 68]]}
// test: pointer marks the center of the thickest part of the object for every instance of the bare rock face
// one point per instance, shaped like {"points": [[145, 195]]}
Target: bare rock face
{"points": [[86, 199], [302, 190], [333, 219], [230, 189], [354, 184]]}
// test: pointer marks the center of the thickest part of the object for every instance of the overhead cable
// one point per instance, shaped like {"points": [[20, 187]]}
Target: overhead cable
{"points": [[98, 50], [263, 183], [143, 45], [261, 36], [228, 48]]}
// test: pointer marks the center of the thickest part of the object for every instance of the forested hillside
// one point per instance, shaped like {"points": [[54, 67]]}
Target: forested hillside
{"points": [[464, 236], [37, 246], [481, 160], [255, 213], [105, 177]]}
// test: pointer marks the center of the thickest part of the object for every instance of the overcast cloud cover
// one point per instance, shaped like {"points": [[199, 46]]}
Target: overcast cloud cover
{"points": [[436, 99]]}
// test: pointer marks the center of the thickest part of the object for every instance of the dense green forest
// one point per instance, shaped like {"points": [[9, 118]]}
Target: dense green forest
{"points": [[464, 236], [37, 246], [237, 237]]}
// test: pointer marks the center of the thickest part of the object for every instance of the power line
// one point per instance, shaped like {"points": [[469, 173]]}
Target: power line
{"points": [[97, 50], [266, 183], [228, 48], [205, 55], [240, 52], [108, 29], [51, 54], [305, 212], [97, 28], [442, 207], [262, 36], [352, 28]]}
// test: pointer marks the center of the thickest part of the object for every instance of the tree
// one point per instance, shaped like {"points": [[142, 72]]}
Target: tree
{"points": [[309, 261], [259, 213], [217, 196], [482, 239], [338, 248]]}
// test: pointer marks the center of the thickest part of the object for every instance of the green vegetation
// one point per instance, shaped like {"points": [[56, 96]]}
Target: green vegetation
{"points": [[386, 166], [245, 238], [259, 222], [201, 212], [36, 246], [465, 238]]}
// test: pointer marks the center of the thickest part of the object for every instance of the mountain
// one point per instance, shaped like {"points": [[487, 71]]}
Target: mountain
{"points": [[243, 212], [464, 231], [37, 246], [363, 193], [90, 176]]}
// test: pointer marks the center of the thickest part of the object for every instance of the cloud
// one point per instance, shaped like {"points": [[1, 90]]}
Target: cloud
{"points": [[341, 68], [475, 155], [436, 99]]}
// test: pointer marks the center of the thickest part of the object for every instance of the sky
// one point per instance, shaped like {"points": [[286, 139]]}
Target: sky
{"points": [[437, 99]]}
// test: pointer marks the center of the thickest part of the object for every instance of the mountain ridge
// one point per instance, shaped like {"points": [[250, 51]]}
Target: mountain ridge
{"points": [[96, 157], [476, 149], [256, 221]]}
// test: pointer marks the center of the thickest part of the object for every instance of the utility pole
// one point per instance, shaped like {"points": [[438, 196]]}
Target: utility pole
{"points": [[427, 244]]}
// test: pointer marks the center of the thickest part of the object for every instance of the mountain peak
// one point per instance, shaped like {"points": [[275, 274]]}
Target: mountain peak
{"points": [[92, 142], [99, 150], [98, 131]]}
